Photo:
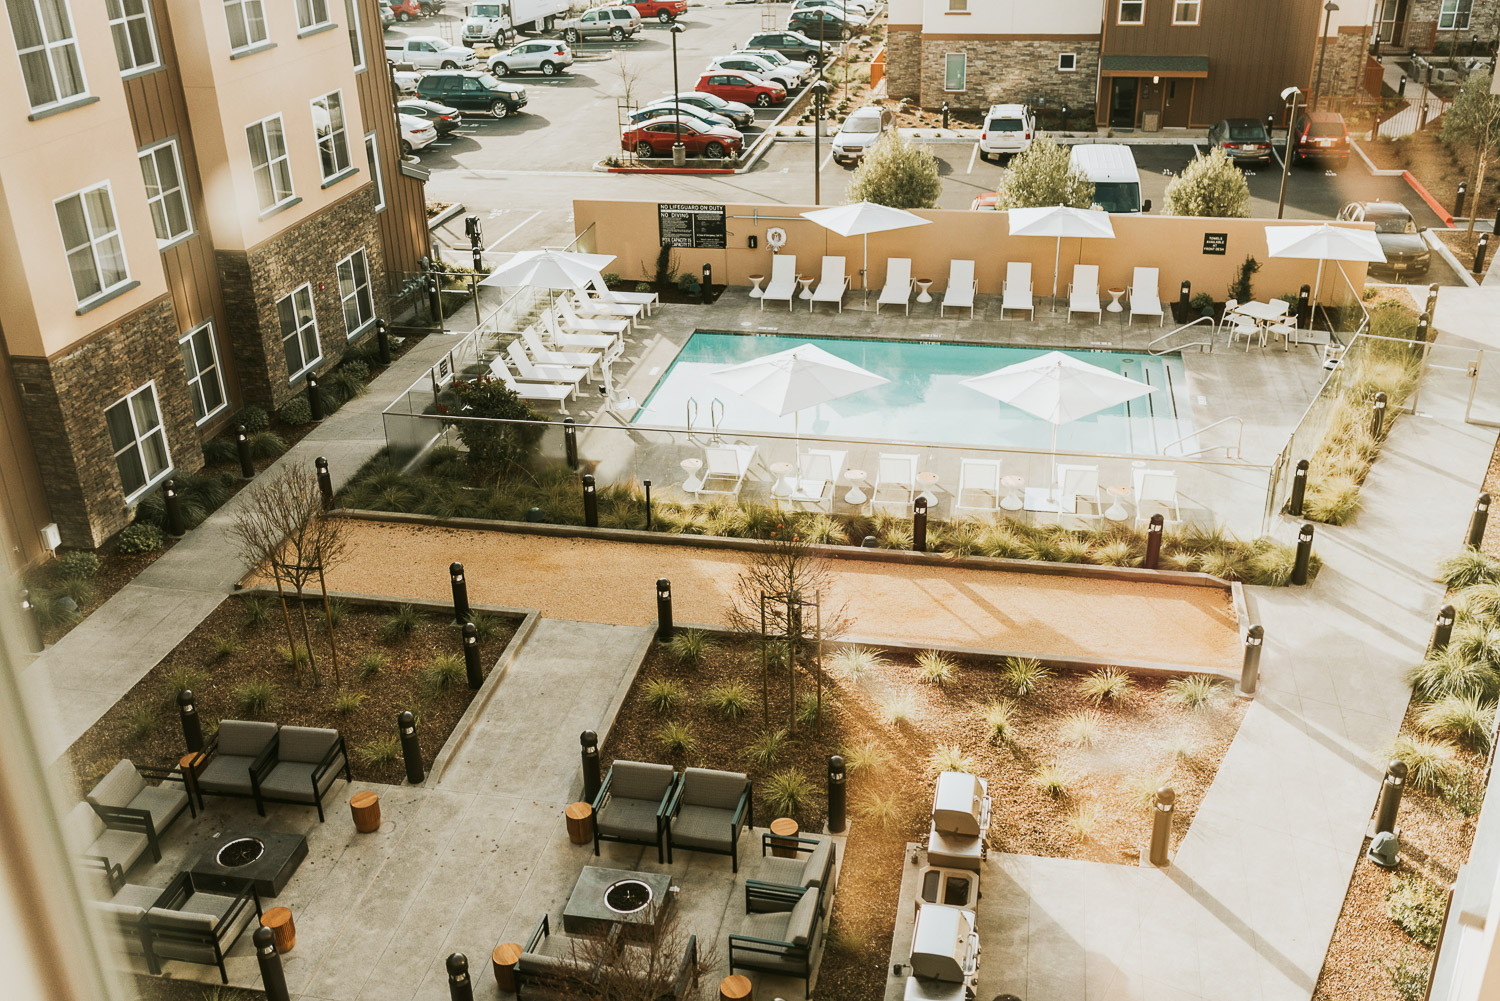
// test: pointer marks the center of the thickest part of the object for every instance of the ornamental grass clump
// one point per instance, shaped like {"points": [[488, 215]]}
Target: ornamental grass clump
{"points": [[1108, 684], [935, 668], [949, 758], [787, 791], [854, 662], [688, 646], [1195, 693], [1469, 567], [663, 694], [729, 699], [1432, 765], [677, 738], [997, 720], [1051, 780], [765, 749], [1467, 718], [1025, 674], [1451, 672], [1081, 729]]}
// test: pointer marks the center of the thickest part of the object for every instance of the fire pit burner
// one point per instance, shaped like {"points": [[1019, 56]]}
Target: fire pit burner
{"points": [[240, 851], [627, 896]]}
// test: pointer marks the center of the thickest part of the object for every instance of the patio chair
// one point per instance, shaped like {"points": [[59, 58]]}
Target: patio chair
{"points": [[532, 392], [961, 287], [812, 865], [833, 284], [546, 356], [308, 762], [783, 283], [978, 486], [1016, 293], [1285, 328], [1078, 495], [631, 806], [122, 910], [588, 306], [531, 372], [898, 285], [196, 927], [124, 801], [242, 749], [780, 941], [1144, 297], [725, 467], [89, 837], [612, 345], [1156, 493], [818, 470], [648, 299], [708, 812], [895, 484], [1239, 325], [569, 318], [1083, 291]]}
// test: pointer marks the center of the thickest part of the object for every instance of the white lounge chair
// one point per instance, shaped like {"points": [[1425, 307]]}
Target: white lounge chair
{"points": [[978, 486], [783, 284], [547, 356], [533, 392], [647, 299], [1156, 493], [1145, 299], [1240, 325], [588, 306], [818, 471], [898, 285], [832, 286], [569, 318], [724, 469], [564, 340], [1083, 291], [961, 287], [895, 484], [1017, 290], [532, 372], [1078, 496]]}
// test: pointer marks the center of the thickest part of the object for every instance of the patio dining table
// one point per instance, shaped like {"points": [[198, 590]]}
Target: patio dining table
{"points": [[1263, 312]]}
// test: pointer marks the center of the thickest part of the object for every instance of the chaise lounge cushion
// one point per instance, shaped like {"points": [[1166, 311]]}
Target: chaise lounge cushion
{"points": [[207, 910], [86, 834], [634, 819], [124, 787], [298, 752], [808, 870], [240, 742]]}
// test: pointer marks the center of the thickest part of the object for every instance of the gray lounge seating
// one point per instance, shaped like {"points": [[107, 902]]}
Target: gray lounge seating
{"points": [[199, 927], [782, 941], [564, 976], [812, 868], [632, 804], [122, 910], [308, 761], [241, 747], [124, 800], [708, 812], [88, 835]]}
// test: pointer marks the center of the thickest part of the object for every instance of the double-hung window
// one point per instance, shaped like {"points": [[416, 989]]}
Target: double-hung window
{"points": [[955, 71], [1132, 12], [1455, 15], [299, 332], [333, 137], [372, 154], [270, 163], [200, 358], [1186, 11], [311, 14], [354, 292], [247, 23], [356, 38], [91, 239], [135, 36], [139, 441], [50, 67], [166, 194]]}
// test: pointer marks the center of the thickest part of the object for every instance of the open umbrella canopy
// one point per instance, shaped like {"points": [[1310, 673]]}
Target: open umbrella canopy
{"points": [[795, 379], [1059, 220], [862, 219], [1323, 243], [549, 269], [1057, 387]]}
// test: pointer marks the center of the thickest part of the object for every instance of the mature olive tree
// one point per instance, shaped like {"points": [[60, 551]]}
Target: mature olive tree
{"points": [[1043, 176], [1209, 186], [897, 173]]}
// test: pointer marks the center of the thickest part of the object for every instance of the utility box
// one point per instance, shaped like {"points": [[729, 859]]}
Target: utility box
{"points": [[1151, 121]]}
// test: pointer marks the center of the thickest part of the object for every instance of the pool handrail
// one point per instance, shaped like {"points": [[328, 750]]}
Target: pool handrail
{"points": [[1152, 349]]}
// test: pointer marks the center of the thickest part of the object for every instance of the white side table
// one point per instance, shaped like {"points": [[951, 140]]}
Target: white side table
{"points": [[856, 494], [806, 281], [784, 483], [923, 284], [1012, 499], [928, 480], [755, 280], [691, 466], [1117, 510], [1114, 300]]}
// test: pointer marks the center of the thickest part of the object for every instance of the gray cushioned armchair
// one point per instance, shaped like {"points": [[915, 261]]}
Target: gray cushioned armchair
{"points": [[199, 927], [123, 800], [308, 762], [242, 748], [631, 806], [708, 812], [88, 835], [782, 942]]}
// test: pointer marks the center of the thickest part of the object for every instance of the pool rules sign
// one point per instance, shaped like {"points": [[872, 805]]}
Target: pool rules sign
{"points": [[698, 227]]}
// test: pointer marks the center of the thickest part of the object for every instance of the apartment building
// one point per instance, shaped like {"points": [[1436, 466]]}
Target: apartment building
{"points": [[201, 202], [1440, 26]]}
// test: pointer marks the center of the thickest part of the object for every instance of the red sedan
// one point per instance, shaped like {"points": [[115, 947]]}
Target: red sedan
{"points": [[733, 85], [655, 138]]}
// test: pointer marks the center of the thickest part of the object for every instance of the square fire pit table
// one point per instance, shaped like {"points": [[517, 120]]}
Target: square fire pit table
{"points": [[605, 899], [266, 860]]}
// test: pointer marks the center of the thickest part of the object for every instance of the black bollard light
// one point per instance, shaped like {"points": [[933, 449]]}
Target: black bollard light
{"points": [[460, 987], [919, 525], [945, 115], [589, 740], [1432, 295], [1458, 201], [1304, 555], [838, 794], [242, 446], [1442, 630], [1479, 521], [1377, 416], [1423, 323], [411, 750], [1390, 797], [663, 610], [1304, 307], [1162, 807], [590, 502], [1401, 87], [647, 485], [460, 593], [325, 482], [1184, 296], [708, 281], [1255, 638], [176, 526], [32, 624], [383, 341], [314, 397], [570, 442], [272, 976], [192, 723], [1484, 246], [1154, 529], [471, 656], [870, 542], [1299, 489]]}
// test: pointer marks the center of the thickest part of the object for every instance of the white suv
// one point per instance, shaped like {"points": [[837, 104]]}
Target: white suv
{"points": [[1008, 129]]}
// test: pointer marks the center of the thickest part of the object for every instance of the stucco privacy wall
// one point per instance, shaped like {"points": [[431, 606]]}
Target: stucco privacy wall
{"points": [[629, 230]]}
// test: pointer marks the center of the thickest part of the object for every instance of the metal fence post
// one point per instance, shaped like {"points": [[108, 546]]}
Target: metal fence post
{"points": [[382, 341], [272, 976], [460, 987], [1377, 415], [570, 442]]}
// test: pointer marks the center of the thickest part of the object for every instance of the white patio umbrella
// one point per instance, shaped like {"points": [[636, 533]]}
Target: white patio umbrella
{"points": [[1058, 388], [549, 269], [1323, 243], [1060, 221], [862, 219]]}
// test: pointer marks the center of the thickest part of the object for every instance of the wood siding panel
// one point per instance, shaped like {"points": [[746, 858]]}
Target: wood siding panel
{"points": [[23, 506]]}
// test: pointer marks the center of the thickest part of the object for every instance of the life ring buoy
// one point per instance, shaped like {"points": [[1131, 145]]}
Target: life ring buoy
{"points": [[776, 237]]}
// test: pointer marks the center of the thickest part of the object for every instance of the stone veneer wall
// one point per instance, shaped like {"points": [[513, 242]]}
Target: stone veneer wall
{"points": [[1020, 71], [64, 400], [1484, 21], [253, 282], [903, 63], [1344, 66]]}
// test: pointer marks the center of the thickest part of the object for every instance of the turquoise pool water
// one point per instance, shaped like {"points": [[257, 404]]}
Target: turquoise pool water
{"points": [[923, 402]]}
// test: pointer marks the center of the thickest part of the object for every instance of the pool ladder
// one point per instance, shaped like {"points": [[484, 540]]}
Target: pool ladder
{"points": [[715, 417]]}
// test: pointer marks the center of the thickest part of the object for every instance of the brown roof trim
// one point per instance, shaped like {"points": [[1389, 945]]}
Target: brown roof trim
{"points": [[1010, 38], [904, 27]]}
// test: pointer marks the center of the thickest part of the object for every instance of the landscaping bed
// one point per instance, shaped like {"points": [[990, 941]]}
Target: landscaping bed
{"points": [[895, 730], [147, 988], [237, 664], [1463, 244], [1438, 166]]}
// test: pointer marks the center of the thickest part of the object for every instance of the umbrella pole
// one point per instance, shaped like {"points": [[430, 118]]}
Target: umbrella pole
{"points": [[864, 272], [1056, 265], [1312, 321]]}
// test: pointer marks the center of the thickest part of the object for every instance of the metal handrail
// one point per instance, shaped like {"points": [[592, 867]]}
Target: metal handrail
{"points": [[1152, 349], [1238, 444]]}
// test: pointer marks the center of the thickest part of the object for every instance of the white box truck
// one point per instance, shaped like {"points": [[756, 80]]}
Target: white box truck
{"points": [[497, 23]]}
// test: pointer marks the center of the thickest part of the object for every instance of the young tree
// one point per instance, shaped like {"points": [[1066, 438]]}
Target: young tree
{"points": [[1474, 118], [653, 962], [897, 173], [1043, 176], [495, 445], [1209, 186]]}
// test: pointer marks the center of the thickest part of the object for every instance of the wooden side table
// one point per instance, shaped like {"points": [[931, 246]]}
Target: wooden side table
{"points": [[784, 827], [188, 764], [283, 929], [504, 960], [580, 818], [735, 987], [366, 809]]}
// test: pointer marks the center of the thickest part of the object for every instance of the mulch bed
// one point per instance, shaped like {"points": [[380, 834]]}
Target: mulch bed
{"points": [[143, 726], [1438, 168], [1463, 244], [148, 988], [1148, 737]]}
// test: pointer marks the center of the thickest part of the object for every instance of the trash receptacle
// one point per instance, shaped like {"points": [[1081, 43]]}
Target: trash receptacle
{"points": [[1151, 121]]}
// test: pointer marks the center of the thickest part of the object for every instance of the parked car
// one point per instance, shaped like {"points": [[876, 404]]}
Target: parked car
{"points": [[689, 113], [821, 22], [1242, 139], [547, 56], [663, 10], [617, 23], [656, 138], [442, 117], [737, 85], [428, 52], [406, 81], [1406, 253], [416, 133], [804, 70], [430, 8], [387, 16], [792, 44], [1008, 130], [762, 68], [405, 10], [470, 90], [987, 202], [1319, 137], [854, 7], [861, 130], [1116, 179], [739, 115]]}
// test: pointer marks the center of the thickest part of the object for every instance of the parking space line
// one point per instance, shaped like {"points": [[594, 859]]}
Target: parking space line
{"points": [[826, 159], [508, 232], [972, 157]]}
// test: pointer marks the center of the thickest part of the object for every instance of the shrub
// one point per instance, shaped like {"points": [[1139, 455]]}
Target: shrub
{"points": [[1141, 789], [140, 538], [676, 738], [371, 664], [1118, 553], [1409, 976], [76, 589], [899, 708], [346, 702], [257, 609], [255, 696], [1459, 717], [662, 694], [338, 610], [1044, 175], [1480, 602], [183, 678], [1194, 693], [897, 173], [1081, 728], [787, 791], [383, 751], [495, 446], [293, 656], [865, 756], [1026, 674], [77, 565], [1416, 905], [1469, 567], [295, 412], [219, 452], [1431, 764], [1331, 499], [355, 367], [1108, 684], [1082, 821], [1211, 186], [935, 668], [644, 287], [765, 749], [254, 419], [854, 662], [886, 809], [226, 646], [1051, 780], [1477, 641], [143, 719], [809, 707], [949, 758], [486, 626], [266, 445], [444, 672], [1271, 565], [848, 937], [688, 646], [401, 623], [729, 699], [1449, 672], [997, 719]]}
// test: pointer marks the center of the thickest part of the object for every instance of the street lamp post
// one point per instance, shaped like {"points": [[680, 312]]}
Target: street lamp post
{"points": [[679, 151], [1290, 94], [1317, 93], [819, 89]]}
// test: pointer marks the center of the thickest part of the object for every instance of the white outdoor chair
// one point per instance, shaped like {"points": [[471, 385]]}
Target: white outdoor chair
{"points": [[532, 392], [1156, 493], [564, 340], [978, 486], [569, 318], [1083, 291], [783, 284], [895, 484], [532, 372], [546, 356], [588, 306], [647, 299], [898, 285], [832, 286], [1145, 300], [818, 471], [1017, 290], [1078, 496], [961, 287], [724, 469], [1240, 325]]}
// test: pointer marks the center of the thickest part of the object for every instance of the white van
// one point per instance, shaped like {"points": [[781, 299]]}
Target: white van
{"points": [[1117, 184]]}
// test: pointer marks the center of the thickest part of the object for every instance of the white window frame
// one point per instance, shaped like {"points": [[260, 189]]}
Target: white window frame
{"points": [[197, 373], [121, 23], [356, 34], [963, 72], [300, 333], [307, 8], [1072, 58], [240, 9], [47, 49], [1451, 12], [271, 161], [1177, 6], [958, 6], [93, 241], [163, 193], [372, 154], [354, 297], [1120, 13], [138, 439], [337, 139]]}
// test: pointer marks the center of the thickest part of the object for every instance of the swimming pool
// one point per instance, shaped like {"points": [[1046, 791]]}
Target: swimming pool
{"points": [[923, 402]]}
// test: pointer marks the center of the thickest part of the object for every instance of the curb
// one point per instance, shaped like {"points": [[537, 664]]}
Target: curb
{"points": [[1442, 251], [451, 212], [1432, 202], [1370, 164]]}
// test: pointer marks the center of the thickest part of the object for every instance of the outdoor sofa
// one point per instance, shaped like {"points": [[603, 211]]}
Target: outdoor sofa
{"points": [[195, 927], [124, 801], [708, 811], [631, 806], [778, 941], [122, 908], [813, 866], [564, 976], [271, 764]]}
